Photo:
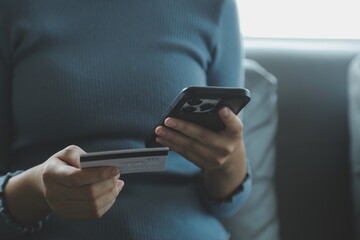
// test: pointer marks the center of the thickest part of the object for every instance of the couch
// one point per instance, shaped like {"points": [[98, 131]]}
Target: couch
{"points": [[258, 218], [311, 172], [354, 127]]}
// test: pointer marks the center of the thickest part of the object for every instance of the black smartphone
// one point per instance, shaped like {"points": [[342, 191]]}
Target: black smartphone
{"points": [[200, 105]]}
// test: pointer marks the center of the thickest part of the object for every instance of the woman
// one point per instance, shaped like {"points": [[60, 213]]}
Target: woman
{"points": [[97, 75]]}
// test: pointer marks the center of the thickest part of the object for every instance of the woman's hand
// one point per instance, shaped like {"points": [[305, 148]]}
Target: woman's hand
{"points": [[59, 185], [220, 154], [78, 194]]}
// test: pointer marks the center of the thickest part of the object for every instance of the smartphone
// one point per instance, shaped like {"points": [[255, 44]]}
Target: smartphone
{"points": [[200, 105]]}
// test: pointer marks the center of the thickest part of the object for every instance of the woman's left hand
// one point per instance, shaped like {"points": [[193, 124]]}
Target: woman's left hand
{"points": [[220, 154]]}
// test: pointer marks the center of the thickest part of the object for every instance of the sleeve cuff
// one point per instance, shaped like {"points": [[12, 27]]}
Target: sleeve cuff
{"points": [[229, 206], [9, 227]]}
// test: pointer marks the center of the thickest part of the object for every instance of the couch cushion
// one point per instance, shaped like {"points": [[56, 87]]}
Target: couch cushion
{"points": [[257, 219], [354, 124]]}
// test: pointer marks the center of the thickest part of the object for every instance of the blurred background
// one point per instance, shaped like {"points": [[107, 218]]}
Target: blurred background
{"points": [[308, 46]]}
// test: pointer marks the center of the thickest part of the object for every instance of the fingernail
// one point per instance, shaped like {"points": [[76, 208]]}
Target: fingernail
{"points": [[159, 132], [120, 184], [224, 112], [170, 122], [114, 171]]}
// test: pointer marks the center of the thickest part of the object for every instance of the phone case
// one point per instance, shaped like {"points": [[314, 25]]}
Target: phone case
{"points": [[200, 105]]}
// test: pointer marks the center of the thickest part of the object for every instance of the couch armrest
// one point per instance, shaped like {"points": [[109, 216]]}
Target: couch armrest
{"points": [[354, 130], [258, 218]]}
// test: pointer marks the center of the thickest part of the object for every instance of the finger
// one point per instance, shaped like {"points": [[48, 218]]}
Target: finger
{"points": [[83, 207], [201, 134], [203, 156], [93, 191], [191, 156], [86, 192], [183, 142], [73, 177], [71, 155], [217, 142], [88, 215], [232, 122], [98, 203]]}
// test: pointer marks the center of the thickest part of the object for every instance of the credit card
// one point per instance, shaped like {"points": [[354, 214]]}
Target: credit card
{"points": [[129, 160]]}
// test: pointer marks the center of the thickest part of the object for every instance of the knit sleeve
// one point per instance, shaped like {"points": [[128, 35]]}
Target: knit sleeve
{"points": [[227, 53], [229, 206], [6, 228], [4, 93], [9, 228], [226, 70]]}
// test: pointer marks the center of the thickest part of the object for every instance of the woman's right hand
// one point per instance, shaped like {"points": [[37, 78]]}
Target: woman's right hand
{"points": [[75, 193]]}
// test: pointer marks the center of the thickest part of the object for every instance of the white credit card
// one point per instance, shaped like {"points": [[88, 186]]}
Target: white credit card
{"points": [[128, 161]]}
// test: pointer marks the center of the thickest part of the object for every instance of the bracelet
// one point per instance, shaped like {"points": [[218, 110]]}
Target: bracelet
{"points": [[5, 215]]}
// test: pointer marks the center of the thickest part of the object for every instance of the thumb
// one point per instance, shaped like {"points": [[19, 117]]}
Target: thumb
{"points": [[71, 155], [232, 122]]}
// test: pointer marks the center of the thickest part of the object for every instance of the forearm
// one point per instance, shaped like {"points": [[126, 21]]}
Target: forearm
{"points": [[24, 199], [221, 182]]}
